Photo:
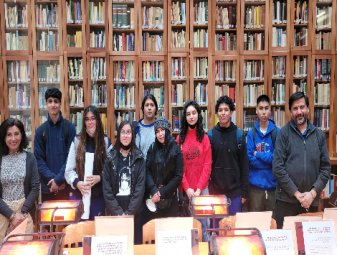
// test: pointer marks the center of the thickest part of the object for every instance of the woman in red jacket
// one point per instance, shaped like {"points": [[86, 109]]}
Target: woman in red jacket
{"points": [[197, 154]]}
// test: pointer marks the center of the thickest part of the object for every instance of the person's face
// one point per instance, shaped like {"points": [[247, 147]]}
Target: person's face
{"points": [[224, 114], [90, 121], [126, 135], [299, 112], [191, 115], [53, 106], [160, 135], [263, 111], [13, 139], [149, 109]]}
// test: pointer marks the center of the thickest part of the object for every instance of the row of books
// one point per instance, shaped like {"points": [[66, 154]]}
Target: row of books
{"points": [[322, 118], [17, 40], [153, 17], [253, 70], [278, 93], [323, 17], [224, 90], [278, 114], [300, 85], [301, 12], [97, 39], [124, 96], [330, 187], [98, 68], [47, 41], [123, 16], [300, 66], [301, 36], [225, 70], [322, 94], [73, 12], [278, 67], [77, 119], [322, 40], [279, 12], [178, 39], [96, 12], [201, 13], [322, 69], [99, 94], [200, 93], [49, 71], [178, 94], [152, 42], [16, 15], [226, 41], [178, 13], [178, 68], [74, 39], [76, 95], [75, 68], [254, 16], [225, 17], [200, 38], [248, 120], [46, 15], [124, 71], [153, 71], [250, 93], [200, 68], [253, 41], [18, 71], [279, 37], [19, 97], [124, 42]]}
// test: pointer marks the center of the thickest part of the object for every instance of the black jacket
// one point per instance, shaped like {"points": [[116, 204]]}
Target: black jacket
{"points": [[110, 183], [164, 168], [31, 188]]}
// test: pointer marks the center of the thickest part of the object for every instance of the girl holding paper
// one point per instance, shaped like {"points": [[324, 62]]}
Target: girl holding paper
{"points": [[85, 163], [124, 178]]}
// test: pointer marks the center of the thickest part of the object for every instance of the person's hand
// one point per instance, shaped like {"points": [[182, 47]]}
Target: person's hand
{"points": [[53, 187], [190, 193], [243, 200], [62, 186], [307, 200], [156, 197], [91, 131], [17, 219], [197, 192], [93, 179], [83, 187]]}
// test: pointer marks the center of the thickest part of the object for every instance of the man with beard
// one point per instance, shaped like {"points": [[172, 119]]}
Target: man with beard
{"points": [[301, 163]]}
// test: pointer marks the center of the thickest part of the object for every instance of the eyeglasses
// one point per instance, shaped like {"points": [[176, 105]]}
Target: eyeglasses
{"points": [[90, 119], [123, 132]]}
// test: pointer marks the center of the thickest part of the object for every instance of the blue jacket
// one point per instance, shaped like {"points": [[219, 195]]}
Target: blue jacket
{"points": [[260, 166], [51, 157]]}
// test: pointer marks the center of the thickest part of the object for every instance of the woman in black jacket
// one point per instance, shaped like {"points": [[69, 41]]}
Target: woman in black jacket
{"points": [[124, 177], [164, 171]]}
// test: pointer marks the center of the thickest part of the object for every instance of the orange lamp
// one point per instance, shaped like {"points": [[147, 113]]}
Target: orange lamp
{"points": [[210, 206]]}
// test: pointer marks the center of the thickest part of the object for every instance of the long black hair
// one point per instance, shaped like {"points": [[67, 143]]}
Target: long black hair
{"points": [[184, 124]]}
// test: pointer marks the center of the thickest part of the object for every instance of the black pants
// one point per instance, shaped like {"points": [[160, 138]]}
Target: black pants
{"points": [[283, 209]]}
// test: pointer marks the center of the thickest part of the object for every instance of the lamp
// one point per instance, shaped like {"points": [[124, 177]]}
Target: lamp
{"points": [[49, 245], [59, 212], [249, 242]]}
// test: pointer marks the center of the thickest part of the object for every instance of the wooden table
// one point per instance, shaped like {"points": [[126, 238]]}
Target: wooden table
{"points": [[143, 249]]}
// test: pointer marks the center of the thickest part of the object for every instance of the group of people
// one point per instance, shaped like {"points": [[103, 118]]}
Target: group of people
{"points": [[147, 172]]}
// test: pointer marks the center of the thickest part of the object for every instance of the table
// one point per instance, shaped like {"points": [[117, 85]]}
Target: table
{"points": [[148, 249]]}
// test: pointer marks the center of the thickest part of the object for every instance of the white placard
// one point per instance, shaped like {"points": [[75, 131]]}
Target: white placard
{"points": [[319, 238], [88, 170], [278, 242], [177, 242], [109, 245]]}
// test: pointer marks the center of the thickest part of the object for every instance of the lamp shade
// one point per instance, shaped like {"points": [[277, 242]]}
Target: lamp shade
{"points": [[209, 206], [60, 212]]}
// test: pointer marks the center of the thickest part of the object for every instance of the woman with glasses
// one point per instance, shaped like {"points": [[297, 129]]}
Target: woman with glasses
{"points": [[85, 163], [124, 178]]}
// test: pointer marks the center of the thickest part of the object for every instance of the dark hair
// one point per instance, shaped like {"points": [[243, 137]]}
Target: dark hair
{"points": [[6, 124], [262, 98], [100, 150], [118, 138], [184, 124], [53, 92], [150, 96], [225, 100], [298, 95]]}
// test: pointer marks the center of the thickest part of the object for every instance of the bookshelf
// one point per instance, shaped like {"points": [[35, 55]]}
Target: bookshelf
{"points": [[300, 74], [178, 26], [47, 32], [225, 27], [254, 21], [153, 28], [324, 33], [2, 103], [178, 88], [18, 91], [16, 28], [74, 24], [280, 25], [123, 27], [75, 85], [124, 90]]}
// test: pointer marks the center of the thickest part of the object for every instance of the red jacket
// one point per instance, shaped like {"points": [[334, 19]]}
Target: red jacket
{"points": [[197, 161]]}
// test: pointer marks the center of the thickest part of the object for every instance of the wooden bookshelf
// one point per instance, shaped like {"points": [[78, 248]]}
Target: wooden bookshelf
{"points": [[74, 24], [178, 87], [2, 95], [254, 23], [279, 20], [333, 133], [300, 73], [153, 27], [47, 24], [16, 28], [178, 26], [225, 27], [19, 91], [124, 90]]}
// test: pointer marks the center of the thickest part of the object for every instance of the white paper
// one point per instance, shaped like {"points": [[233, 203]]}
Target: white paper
{"points": [[88, 170], [319, 238], [278, 242], [177, 242], [331, 214], [109, 245]]}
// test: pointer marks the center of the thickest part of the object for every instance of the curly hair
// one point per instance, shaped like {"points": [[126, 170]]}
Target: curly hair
{"points": [[225, 100], [184, 124]]}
